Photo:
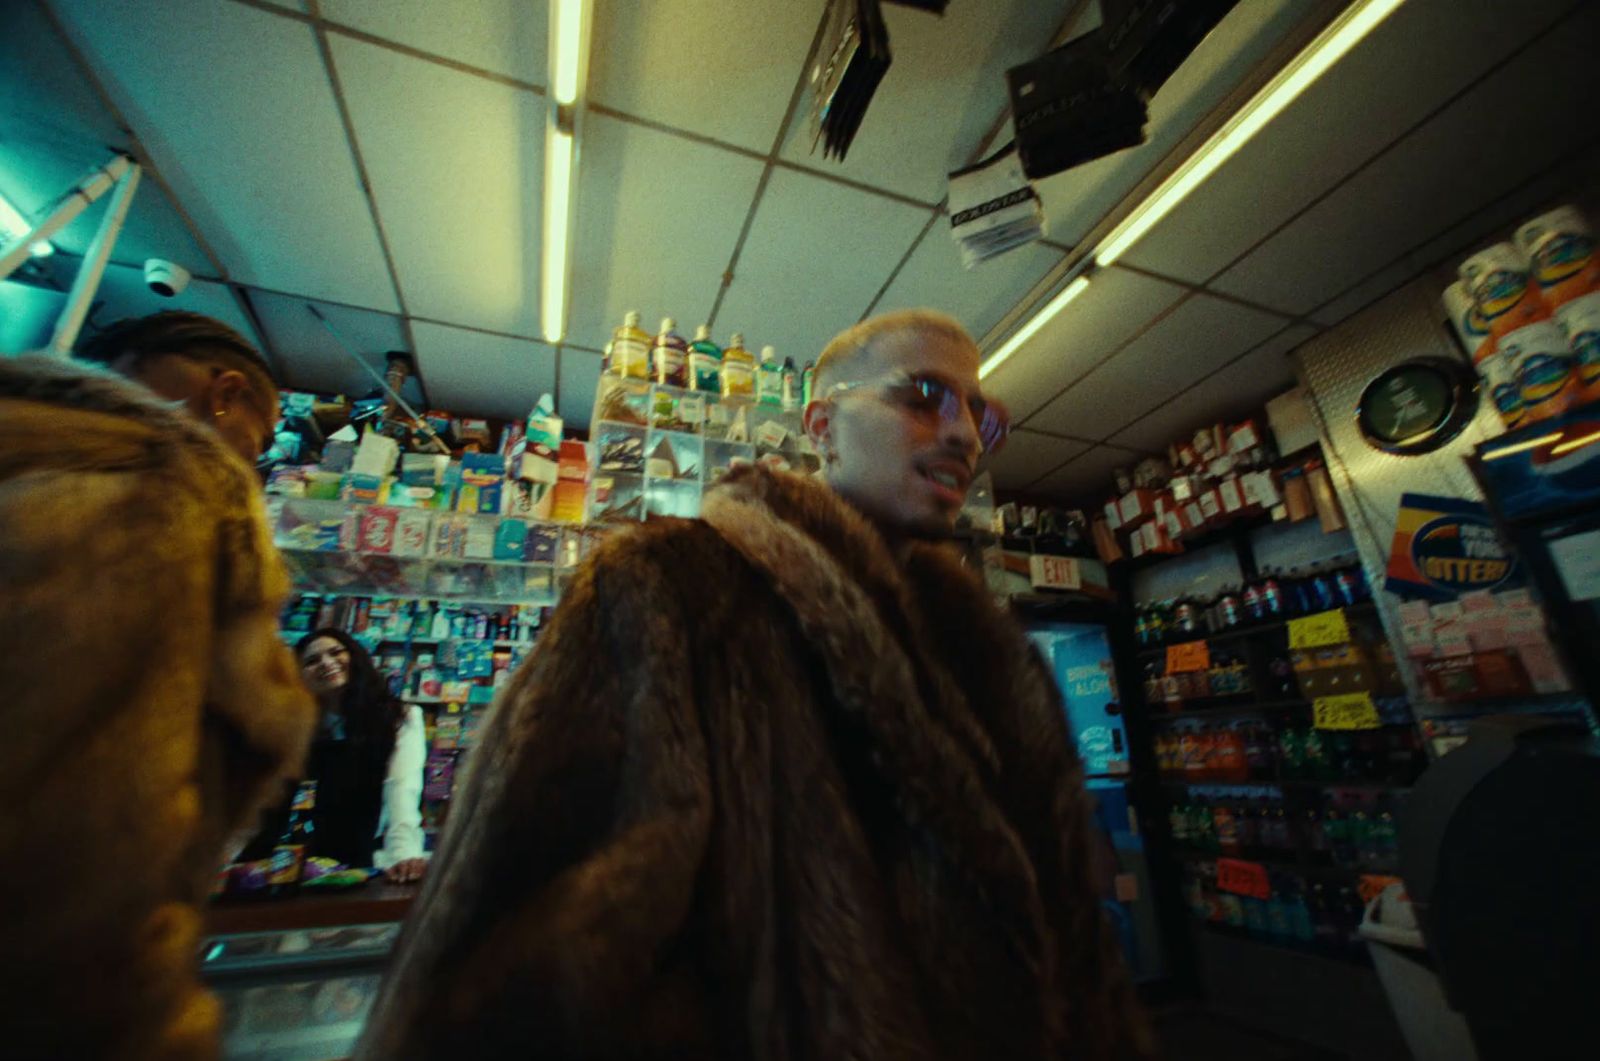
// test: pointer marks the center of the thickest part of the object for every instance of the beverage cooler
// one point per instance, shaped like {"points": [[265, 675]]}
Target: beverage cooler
{"points": [[1080, 657], [1542, 485]]}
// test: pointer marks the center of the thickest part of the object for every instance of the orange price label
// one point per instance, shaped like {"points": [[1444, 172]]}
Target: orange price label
{"points": [[1188, 656], [1372, 884], [1243, 878]]}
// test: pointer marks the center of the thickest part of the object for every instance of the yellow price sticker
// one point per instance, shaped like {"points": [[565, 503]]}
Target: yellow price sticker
{"points": [[1350, 711], [1315, 631]]}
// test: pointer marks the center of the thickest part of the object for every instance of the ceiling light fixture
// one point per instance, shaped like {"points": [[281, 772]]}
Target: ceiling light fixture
{"points": [[1023, 334], [14, 226], [1314, 60], [569, 61], [1344, 33]]}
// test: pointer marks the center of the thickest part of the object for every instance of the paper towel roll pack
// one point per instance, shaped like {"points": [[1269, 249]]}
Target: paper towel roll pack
{"points": [[1528, 314]]}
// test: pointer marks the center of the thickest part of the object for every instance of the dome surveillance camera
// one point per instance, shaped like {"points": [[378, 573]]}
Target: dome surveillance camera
{"points": [[165, 278]]}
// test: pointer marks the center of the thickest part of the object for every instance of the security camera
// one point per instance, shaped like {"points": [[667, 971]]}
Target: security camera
{"points": [[165, 278]]}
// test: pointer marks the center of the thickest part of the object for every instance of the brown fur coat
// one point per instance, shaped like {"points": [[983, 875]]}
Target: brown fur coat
{"points": [[767, 789], [146, 705]]}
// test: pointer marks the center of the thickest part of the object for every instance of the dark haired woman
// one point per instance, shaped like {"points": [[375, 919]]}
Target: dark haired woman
{"points": [[367, 760]]}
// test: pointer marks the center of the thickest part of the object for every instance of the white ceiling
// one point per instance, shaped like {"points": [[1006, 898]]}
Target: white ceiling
{"points": [[383, 160]]}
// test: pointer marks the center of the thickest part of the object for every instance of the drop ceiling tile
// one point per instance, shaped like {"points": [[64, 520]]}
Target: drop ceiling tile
{"points": [[122, 293], [509, 37], [457, 166], [580, 378], [659, 61], [27, 317], [236, 109], [1368, 290], [1087, 477], [1431, 179], [816, 255], [474, 374], [54, 129], [977, 297], [313, 358], [942, 93], [1228, 393], [1075, 200], [1498, 220], [1116, 304], [1027, 455], [658, 218], [1414, 61], [1200, 335]]}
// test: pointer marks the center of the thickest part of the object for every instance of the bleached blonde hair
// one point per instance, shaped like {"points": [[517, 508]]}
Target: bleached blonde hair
{"points": [[842, 356]]}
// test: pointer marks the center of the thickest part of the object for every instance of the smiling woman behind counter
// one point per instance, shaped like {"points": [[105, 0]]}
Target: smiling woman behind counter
{"points": [[367, 760]]}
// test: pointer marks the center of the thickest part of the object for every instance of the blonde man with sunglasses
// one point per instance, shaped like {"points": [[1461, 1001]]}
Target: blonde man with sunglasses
{"points": [[779, 783]]}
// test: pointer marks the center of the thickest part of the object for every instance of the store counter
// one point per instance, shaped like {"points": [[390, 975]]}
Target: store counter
{"points": [[296, 976]]}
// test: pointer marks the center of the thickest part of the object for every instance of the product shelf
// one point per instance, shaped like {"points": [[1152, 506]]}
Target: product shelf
{"points": [[1244, 633]]}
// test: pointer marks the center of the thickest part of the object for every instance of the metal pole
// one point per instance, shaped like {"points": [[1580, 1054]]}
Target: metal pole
{"points": [[87, 281], [69, 206], [369, 370]]}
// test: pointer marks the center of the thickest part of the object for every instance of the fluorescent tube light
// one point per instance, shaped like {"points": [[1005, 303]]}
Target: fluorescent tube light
{"points": [[1532, 443], [1024, 333], [567, 57], [14, 226], [558, 152], [1329, 47]]}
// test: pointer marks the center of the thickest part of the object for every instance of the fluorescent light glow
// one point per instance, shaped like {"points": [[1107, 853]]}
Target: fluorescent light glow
{"points": [[1330, 46], [14, 226], [1344, 34], [1575, 443], [557, 201], [1024, 333], [1532, 443], [568, 51]]}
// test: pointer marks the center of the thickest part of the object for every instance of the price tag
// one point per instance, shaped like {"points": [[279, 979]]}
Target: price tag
{"points": [[1188, 656], [1315, 631], [1371, 885], [1243, 878], [1054, 572], [1350, 711]]}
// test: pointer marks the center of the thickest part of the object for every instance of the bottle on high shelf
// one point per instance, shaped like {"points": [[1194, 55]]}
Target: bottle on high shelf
{"points": [[738, 370], [808, 380], [669, 356], [630, 349], [705, 362], [791, 385], [769, 378]]}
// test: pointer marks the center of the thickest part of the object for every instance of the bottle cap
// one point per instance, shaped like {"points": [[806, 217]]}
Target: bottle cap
{"points": [[631, 319], [702, 333], [667, 324], [737, 340], [768, 353]]}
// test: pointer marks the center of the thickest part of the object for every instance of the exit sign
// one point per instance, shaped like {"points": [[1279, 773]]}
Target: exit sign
{"points": [[1054, 572]]}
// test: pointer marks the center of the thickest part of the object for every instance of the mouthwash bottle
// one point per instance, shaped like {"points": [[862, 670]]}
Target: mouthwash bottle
{"points": [[769, 378], [670, 356], [791, 384], [630, 349], [705, 362], [738, 370], [808, 380]]}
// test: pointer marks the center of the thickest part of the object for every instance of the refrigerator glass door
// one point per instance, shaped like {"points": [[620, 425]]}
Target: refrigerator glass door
{"points": [[1080, 657]]}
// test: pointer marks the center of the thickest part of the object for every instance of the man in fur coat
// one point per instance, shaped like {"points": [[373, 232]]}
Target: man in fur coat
{"points": [[782, 783], [148, 704]]}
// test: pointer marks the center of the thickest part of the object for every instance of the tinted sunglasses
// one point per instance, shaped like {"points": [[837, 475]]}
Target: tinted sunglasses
{"points": [[930, 396]]}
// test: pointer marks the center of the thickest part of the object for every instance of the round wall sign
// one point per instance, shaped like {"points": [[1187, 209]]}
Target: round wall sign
{"points": [[1418, 406]]}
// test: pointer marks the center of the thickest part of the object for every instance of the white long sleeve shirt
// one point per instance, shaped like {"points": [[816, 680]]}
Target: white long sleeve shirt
{"points": [[400, 822]]}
